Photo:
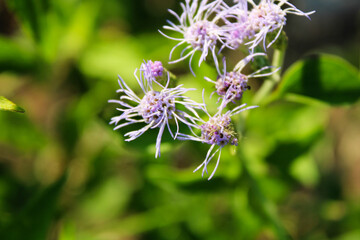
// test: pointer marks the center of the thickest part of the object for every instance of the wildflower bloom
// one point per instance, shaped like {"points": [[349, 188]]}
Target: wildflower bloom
{"points": [[238, 31], [218, 132], [237, 34], [198, 28], [267, 17], [155, 108], [251, 27], [230, 86]]}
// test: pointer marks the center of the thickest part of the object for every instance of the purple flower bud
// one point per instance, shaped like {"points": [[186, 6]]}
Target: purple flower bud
{"points": [[152, 70]]}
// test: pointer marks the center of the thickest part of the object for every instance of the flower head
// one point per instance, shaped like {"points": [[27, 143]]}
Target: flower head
{"points": [[156, 106], [268, 16], [218, 132], [251, 27], [155, 109], [198, 29], [230, 86], [237, 34], [236, 29]]}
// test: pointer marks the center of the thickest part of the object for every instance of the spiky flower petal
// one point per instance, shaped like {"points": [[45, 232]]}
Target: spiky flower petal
{"points": [[230, 86], [156, 108], [198, 28], [218, 132], [252, 27]]}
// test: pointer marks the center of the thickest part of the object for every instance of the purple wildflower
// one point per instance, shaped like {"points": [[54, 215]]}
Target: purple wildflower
{"points": [[250, 27], [198, 28], [236, 28], [237, 34], [230, 86], [156, 108], [218, 132], [267, 17]]}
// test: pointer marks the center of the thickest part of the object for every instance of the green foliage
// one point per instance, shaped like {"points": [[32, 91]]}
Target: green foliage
{"points": [[325, 78]]}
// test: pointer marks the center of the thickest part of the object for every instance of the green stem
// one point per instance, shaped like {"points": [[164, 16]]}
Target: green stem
{"points": [[270, 83]]}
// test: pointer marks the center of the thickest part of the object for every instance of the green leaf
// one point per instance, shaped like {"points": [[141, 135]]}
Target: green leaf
{"points": [[326, 78], [7, 105]]}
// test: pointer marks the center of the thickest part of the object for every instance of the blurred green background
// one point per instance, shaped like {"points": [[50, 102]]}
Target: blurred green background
{"points": [[65, 174]]}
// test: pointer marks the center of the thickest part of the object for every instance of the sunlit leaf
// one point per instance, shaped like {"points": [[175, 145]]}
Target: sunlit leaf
{"points": [[7, 105], [322, 77]]}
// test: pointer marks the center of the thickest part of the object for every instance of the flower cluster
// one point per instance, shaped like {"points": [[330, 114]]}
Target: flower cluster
{"points": [[230, 86], [207, 27], [267, 17], [199, 29]]}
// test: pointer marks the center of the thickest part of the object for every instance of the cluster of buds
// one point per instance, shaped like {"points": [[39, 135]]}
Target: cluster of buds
{"points": [[152, 70], [205, 27]]}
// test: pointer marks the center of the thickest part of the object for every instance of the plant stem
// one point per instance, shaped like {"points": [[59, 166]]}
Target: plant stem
{"points": [[269, 84]]}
